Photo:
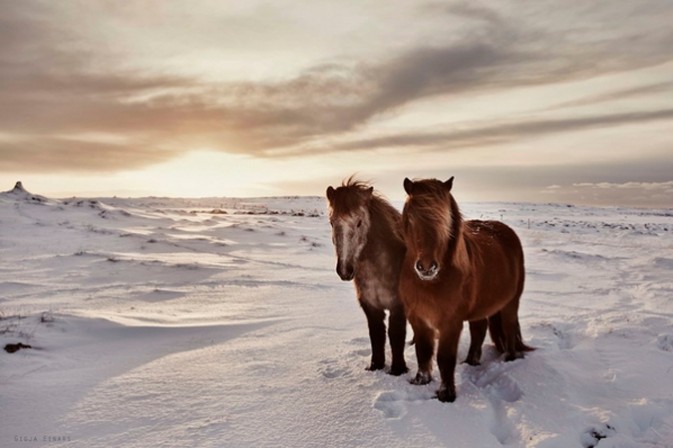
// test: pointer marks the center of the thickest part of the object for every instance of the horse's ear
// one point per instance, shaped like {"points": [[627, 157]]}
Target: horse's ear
{"points": [[369, 192], [449, 184], [408, 185], [330, 193]]}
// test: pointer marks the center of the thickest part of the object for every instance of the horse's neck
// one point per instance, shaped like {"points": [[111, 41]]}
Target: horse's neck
{"points": [[381, 233], [378, 228]]}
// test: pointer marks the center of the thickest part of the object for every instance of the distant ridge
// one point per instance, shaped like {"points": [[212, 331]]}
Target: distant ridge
{"points": [[18, 188], [20, 192]]}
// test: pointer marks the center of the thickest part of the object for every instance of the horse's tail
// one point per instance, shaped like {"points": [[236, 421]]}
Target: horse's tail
{"points": [[497, 332]]}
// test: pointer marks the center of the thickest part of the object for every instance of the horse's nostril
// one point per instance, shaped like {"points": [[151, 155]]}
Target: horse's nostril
{"points": [[419, 266], [433, 266]]}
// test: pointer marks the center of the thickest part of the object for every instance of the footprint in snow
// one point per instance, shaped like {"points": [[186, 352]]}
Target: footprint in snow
{"points": [[499, 389], [506, 389], [565, 338], [330, 369], [361, 340], [365, 350], [665, 342], [494, 381], [393, 403], [592, 436]]}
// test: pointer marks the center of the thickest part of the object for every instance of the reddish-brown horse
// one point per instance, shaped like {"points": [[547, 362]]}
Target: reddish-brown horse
{"points": [[456, 271], [370, 251]]}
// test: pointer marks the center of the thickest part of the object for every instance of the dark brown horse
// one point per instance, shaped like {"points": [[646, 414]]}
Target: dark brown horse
{"points": [[370, 250], [456, 271]]}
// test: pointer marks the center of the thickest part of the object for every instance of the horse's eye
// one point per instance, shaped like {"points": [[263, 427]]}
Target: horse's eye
{"points": [[359, 223]]}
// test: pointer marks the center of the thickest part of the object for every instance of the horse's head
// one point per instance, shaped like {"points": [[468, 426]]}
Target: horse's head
{"points": [[350, 220], [428, 222]]}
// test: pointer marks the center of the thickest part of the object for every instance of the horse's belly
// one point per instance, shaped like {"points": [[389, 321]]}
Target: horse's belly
{"points": [[492, 298]]}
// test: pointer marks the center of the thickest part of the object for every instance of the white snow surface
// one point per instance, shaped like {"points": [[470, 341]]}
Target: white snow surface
{"points": [[221, 322]]}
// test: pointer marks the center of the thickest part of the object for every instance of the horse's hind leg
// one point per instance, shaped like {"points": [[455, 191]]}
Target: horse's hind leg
{"points": [[477, 335], [377, 335], [397, 333], [514, 346], [497, 332]]}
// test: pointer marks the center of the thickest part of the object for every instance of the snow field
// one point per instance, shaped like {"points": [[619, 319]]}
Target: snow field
{"points": [[221, 322]]}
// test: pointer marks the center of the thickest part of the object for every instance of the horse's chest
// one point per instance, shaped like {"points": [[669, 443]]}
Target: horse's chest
{"points": [[375, 287], [434, 303]]}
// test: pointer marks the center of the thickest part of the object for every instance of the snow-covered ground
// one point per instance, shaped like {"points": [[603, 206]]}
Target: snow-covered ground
{"points": [[221, 323]]}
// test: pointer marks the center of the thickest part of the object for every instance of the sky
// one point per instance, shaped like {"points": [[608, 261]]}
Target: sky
{"points": [[520, 100]]}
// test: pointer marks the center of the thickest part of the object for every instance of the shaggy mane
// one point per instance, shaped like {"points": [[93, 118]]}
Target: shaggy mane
{"points": [[350, 195]]}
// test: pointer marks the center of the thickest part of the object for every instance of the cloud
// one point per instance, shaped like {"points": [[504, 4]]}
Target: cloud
{"points": [[636, 193], [634, 182], [658, 87], [648, 186], [496, 133], [48, 155], [56, 83], [470, 10]]}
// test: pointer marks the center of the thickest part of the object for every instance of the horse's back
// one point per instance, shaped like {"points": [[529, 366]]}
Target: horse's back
{"points": [[494, 235], [497, 256]]}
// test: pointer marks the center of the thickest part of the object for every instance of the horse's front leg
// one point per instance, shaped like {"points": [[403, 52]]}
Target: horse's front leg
{"points": [[449, 335], [377, 334], [397, 333], [424, 340]]}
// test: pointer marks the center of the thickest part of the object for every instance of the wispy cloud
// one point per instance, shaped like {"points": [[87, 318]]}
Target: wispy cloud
{"points": [[48, 155], [495, 133], [666, 187], [619, 94]]}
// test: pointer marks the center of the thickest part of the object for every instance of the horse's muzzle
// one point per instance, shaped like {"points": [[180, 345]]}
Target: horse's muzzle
{"points": [[426, 273], [346, 273]]}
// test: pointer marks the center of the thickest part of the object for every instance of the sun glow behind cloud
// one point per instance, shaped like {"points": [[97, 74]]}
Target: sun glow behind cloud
{"points": [[198, 173]]}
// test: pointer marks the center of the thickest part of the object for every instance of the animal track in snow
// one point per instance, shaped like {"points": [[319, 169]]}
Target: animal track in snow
{"points": [[565, 340], [330, 369], [363, 347], [499, 388], [506, 389], [393, 403], [494, 380], [665, 342], [592, 436]]}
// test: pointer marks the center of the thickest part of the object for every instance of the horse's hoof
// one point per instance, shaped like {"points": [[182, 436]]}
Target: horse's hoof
{"points": [[513, 356], [446, 395], [374, 367], [398, 370], [472, 362], [421, 379]]}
